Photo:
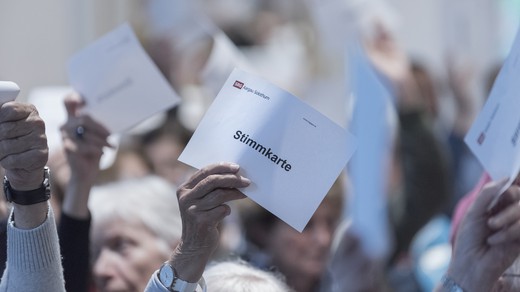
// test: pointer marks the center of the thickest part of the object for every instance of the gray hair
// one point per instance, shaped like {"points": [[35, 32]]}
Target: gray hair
{"points": [[239, 276], [151, 201]]}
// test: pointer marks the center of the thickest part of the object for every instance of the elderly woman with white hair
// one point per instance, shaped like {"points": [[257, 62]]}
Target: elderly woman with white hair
{"points": [[240, 276], [135, 225]]}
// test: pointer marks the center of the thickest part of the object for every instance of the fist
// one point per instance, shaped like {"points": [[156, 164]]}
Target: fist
{"points": [[23, 145]]}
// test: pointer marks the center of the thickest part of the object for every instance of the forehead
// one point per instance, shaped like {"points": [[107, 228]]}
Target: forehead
{"points": [[118, 227]]}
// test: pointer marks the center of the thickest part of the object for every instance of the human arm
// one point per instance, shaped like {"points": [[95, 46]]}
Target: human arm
{"points": [[350, 268], [487, 241], [426, 185], [33, 257], [466, 105], [421, 163], [202, 203], [83, 154]]}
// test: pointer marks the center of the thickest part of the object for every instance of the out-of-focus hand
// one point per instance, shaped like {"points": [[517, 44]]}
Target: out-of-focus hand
{"points": [[487, 242], [391, 61], [459, 79], [83, 151], [351, 269], [83, 142], [387, 57], [202, 203], [23, 145]]}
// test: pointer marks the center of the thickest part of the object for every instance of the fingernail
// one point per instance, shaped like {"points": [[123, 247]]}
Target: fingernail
{"points": [[245, 180], [234, 166]]}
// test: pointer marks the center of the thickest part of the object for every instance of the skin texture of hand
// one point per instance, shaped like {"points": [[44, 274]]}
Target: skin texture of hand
{"points": [[352, 270], [23, 145], [488, 241], [23, 154], [202, 202], [459, 79], [83, 156], [392, 62]]}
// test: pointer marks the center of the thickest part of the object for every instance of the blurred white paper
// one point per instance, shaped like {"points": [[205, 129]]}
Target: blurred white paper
{"points": [[369, 166], [49, 101], [119, 81], [292, 153], [494, 135]]}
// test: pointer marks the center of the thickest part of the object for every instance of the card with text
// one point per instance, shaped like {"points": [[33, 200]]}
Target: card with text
{"points": [[119, 82], [495, 134], [292, 153]]}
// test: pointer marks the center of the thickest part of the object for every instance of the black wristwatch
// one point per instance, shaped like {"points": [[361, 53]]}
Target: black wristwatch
{"points": [[41, 194]]}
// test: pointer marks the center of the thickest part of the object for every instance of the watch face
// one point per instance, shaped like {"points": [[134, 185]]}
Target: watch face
{"points": [[166, 275]]}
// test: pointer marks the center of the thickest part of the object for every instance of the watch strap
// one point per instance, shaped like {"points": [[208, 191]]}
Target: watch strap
{"points": [[41, 194], [183, 286], [179, 285], [450, 285]]}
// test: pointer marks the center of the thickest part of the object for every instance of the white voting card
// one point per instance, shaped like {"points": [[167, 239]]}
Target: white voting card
{"points": [[8, 91], [494, 135], [369, 166], [119, 82], [292, 153]]}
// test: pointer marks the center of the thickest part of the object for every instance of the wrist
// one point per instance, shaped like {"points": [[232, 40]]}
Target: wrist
{"points": [[30, 216], [189, 262], [23, 180], [75, 202], [469, 279], [26, 194]]}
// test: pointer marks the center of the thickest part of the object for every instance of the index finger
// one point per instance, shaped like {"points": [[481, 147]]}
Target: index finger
{"points": [[15, 111], [73, 102], [222, 167]]}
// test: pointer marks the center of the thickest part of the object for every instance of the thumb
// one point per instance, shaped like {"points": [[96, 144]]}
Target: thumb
{"points": [[73, 102]]}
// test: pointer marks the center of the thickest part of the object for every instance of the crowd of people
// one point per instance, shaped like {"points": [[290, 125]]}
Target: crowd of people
{"points": [[151, 223]]}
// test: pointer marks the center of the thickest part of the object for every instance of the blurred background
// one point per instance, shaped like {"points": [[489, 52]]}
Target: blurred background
{"points": [[444, 54], [38, 37]]}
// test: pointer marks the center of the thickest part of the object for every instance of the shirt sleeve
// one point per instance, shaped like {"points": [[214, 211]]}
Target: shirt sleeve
{"points": [[154, 285], [74, 243], [33, 258]]}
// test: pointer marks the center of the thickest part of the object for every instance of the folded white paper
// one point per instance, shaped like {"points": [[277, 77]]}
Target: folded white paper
{"points": [[494, 136], [119, 82], [292, 153]]}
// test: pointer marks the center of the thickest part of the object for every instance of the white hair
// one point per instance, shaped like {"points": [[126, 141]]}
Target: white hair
{"points": [[151, 201], [239, 276]]}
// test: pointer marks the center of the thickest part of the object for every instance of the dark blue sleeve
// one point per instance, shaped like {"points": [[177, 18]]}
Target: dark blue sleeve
{"points": [[74, 243]]}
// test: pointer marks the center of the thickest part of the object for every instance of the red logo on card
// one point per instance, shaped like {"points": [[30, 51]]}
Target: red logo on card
{"points": [[481, 138], [238, 84]]}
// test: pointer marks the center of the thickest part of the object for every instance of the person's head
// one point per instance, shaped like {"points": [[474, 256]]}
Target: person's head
{"points": [[239, 276], [135, 225], [162, 146], [298, 255]]}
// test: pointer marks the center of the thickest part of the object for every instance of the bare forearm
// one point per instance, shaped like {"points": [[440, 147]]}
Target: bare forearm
{"points": [[75, 203]]}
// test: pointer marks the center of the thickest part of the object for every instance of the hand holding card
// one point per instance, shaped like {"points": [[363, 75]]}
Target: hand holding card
{"points": [[292, 153]]}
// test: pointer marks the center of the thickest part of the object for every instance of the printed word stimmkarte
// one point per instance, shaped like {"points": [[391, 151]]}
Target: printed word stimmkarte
{"points": [[244, 138]]}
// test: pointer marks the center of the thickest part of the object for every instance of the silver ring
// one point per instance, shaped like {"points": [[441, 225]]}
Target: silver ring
{"points": [[80, 132]]}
